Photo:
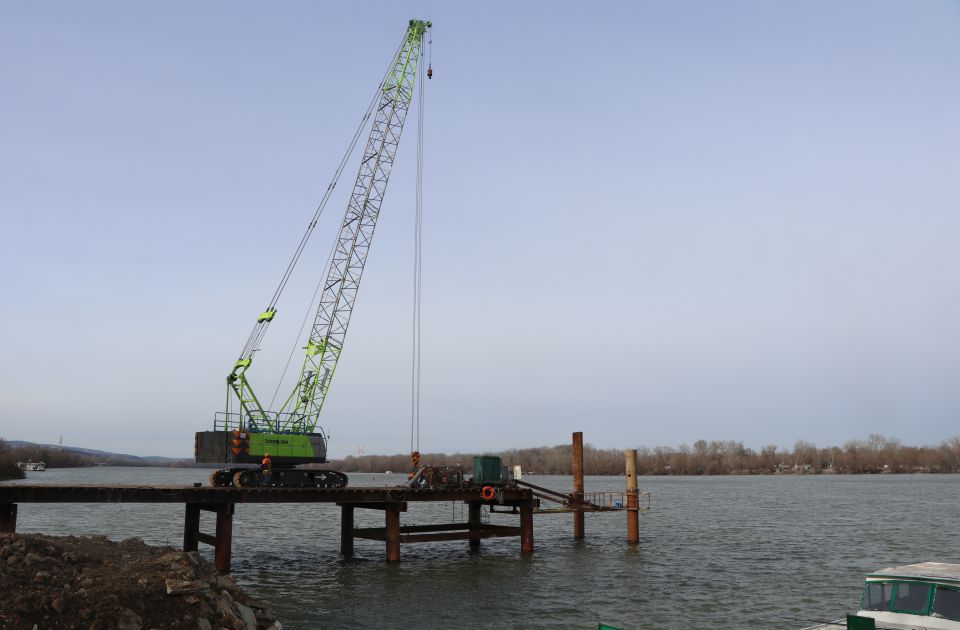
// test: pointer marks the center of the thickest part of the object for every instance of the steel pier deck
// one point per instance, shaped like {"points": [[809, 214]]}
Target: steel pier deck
{"points": [[128, 493], [221, 500]]}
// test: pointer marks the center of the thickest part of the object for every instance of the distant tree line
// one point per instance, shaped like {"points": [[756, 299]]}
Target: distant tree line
{"points": [[8, 466], [876, 454], [56, 457]]}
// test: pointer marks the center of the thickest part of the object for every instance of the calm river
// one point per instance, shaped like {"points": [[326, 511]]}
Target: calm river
{"points": [[715, 552]]}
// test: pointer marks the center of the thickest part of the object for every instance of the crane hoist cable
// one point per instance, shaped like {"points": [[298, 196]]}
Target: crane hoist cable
{"points": [[415, 370], [430, 53], [303, 324]]}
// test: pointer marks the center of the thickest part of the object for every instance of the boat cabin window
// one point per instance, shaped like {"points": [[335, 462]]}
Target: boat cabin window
{"points": [[905, 597], [877, 596], [946, 603], [911, 597]]}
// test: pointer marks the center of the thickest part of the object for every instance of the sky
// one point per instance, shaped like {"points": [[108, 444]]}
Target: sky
{"points": [[653, 222]]}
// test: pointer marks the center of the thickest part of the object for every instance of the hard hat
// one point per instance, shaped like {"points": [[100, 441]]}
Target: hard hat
{"points": [[266, 454]]}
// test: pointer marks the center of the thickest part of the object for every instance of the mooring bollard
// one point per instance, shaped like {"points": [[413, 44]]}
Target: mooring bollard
{"points": [[633, 505]]}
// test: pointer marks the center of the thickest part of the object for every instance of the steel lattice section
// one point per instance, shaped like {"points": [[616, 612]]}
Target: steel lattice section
{"points": [[353, 244]]}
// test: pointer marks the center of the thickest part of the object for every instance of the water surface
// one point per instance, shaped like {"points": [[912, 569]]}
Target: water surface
{"points": [[715, 552]]}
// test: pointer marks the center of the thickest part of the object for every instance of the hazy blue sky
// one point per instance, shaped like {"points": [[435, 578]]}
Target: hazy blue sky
{"points": [[651, 221]]}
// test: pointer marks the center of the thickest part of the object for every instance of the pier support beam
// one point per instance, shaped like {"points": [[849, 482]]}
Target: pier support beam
{"points": [[392, 534], [633, 506], [224, 538], [346, 530], [8, 518], [578, 520], [191, 527], [474, 517], [526, 527]]}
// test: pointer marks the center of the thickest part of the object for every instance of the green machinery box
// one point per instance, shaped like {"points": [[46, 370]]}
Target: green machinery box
{"points": [[247, 447], [487, 469]]}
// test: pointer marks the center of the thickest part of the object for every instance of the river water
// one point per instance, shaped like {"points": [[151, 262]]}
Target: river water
{"points": [[715, 552]]}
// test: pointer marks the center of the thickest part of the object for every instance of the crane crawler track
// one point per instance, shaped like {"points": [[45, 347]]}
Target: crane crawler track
{"points": [[279, 478]]}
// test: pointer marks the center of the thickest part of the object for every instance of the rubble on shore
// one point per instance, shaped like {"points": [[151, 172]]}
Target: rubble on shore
{"points": [[92, 582]]}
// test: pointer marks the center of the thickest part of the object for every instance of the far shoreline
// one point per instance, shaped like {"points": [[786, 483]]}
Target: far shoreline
{"points": [[877, 455]]}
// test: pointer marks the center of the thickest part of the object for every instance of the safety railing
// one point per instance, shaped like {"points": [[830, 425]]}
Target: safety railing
{"points": [[239, 422], [614, 500], [604, 501]]}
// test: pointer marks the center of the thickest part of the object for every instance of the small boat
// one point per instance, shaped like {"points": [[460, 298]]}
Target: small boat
{"points": [[924, 596], [37, 466]]}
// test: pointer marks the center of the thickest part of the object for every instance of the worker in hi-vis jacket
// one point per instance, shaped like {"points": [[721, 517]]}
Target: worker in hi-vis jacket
{"points": [[266, 470]]}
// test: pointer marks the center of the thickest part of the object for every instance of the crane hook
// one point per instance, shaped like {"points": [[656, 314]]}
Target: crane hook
{"points": [[430, 72]]}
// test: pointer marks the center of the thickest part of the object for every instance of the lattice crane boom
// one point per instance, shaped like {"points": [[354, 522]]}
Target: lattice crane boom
{"points": [[300, 412], [353, 242]]}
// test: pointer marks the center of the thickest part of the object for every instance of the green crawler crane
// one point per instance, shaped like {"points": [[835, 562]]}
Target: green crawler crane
{"points": [[246, 431]]}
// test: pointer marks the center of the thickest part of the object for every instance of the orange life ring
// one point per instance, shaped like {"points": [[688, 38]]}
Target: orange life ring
{"points": [[488, 493]]}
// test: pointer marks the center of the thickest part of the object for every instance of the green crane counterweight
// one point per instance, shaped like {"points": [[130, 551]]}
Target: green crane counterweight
{"points": [[247, 431]]}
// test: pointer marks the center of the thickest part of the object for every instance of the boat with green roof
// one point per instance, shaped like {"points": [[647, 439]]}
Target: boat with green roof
{"points": [[923, 596]]}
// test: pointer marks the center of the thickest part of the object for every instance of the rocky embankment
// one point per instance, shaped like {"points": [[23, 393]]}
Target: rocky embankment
{"points": [[92, 582]]}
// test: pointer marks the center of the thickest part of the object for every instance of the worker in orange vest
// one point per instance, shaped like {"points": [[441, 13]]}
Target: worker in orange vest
{"points": [[266, 470]]}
